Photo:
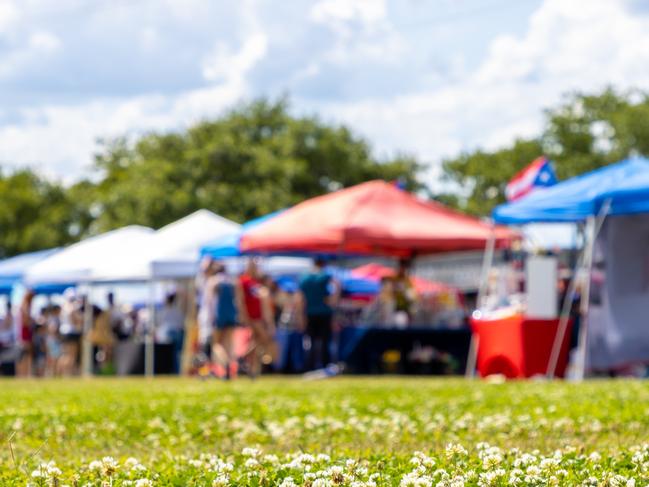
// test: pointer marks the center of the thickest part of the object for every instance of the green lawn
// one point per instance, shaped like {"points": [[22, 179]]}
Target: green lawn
{"points": [[287, 431]]}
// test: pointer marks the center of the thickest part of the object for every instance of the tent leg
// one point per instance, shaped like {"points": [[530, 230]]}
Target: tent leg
{"points": [[473, 357], [564, 317], [86, 344], [487, 262], [149, 347], [591, 232]]}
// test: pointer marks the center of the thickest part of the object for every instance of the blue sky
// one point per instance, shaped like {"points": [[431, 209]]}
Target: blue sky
{"points": [[426, 77]]}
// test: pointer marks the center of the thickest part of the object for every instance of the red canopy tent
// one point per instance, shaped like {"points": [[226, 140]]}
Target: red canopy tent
{"points": [[373, 218], [376, 272]]}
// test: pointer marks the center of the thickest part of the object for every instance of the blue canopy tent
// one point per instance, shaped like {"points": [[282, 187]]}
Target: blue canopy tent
{"points": [[623, 187], [229, 245], [613, 202], [13, 269]]}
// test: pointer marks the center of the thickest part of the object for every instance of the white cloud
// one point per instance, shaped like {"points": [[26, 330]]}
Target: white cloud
{"points": [[348, 44], [59, 140], [8, 14], [38, 45], [44, 41], [567, 47], [226, 64], [365, 11]]}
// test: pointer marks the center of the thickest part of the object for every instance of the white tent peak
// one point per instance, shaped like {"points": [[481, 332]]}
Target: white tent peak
{"points": [[77, 262], [200, 226], [171, 252]]}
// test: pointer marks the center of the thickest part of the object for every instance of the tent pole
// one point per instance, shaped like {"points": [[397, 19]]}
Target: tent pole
{"points": [[585, 298], [593, 226], [487, 262], [86, 344], [564, 317], [149, 348]]}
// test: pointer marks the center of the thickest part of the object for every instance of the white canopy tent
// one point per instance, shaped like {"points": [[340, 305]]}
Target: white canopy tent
{"points": [[78, 262], [173, 252]]}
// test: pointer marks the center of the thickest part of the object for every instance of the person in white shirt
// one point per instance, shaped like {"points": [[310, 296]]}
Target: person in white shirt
{"points": [[171, 328]]}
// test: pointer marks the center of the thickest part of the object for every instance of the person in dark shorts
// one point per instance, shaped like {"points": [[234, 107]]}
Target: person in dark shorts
{"points": [[318, 292], [225, 318]]}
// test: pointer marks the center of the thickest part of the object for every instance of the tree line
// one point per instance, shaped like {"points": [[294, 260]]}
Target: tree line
{"points": [[258, 158]]}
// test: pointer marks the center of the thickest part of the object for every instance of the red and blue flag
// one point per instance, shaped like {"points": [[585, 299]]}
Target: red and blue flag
{"points": [[539, 174]]}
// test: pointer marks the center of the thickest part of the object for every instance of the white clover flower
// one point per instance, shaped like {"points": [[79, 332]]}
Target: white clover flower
{"points": [[143, 483], [595, 457], [490, 461], [323, 458], [37, 474], [221, 480], [288, 482], [272, 459], [108, 466], [413, 480], [453, 449], [250, 452]]}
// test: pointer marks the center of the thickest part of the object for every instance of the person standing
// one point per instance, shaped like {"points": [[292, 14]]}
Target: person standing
{"points": [[25, 326], [318, 293], [70, 330], [255, 311], [171, 329], [225, 318]]}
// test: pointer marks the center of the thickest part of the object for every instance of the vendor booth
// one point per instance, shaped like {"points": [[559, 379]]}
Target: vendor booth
{"points": [[378, 219], [612, 206], [13, 270]]}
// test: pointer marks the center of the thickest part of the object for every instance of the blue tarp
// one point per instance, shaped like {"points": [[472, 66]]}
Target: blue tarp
{"points": [[13, 268], [350, 284], [625, 184]]}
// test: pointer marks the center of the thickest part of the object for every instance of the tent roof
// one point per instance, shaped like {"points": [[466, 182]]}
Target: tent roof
{"points": [[229, 245], [13, 268], [171, 252], [374, 218], [77, 263], [625, 184]]}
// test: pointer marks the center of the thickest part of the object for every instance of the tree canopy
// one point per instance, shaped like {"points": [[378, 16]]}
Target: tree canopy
{"points": [[259, 158], [255, 159]]}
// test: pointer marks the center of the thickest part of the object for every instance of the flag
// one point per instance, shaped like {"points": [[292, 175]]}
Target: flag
{"points": [[400, 183], [539, 174]]}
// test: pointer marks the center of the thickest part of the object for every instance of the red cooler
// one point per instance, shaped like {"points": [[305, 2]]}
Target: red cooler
{"points": [[518, 347]]}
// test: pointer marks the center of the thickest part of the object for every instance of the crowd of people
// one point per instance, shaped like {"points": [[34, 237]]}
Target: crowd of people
{"points": [[49, 341], [256, 302]]}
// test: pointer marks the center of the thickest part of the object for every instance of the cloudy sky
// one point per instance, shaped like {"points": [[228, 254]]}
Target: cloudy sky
{"points": [[427, 77]]}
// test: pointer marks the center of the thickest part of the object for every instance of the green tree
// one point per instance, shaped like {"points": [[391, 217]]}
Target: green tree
{"points": [[256, 159], [583, 133], [34, 214]]}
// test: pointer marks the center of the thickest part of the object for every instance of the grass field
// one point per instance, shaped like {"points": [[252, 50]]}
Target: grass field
{"points": [[358, 432]]}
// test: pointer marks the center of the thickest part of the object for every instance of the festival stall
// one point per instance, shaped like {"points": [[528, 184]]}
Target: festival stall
{"points": [[13, 269], [376, 219], [612, 206], [77, 265]]}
